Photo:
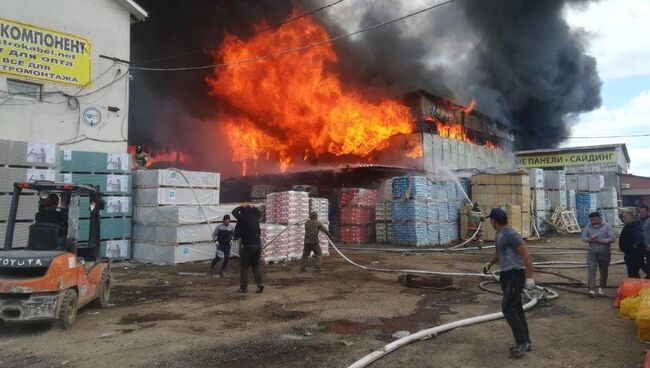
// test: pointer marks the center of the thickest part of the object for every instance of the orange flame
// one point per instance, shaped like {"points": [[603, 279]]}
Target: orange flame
{"points": [[292, 104]]}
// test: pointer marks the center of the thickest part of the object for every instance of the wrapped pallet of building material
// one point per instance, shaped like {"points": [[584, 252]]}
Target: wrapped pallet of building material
{"points": [[291, 207], [29, 154], [107, 183], [571, 200], [381, 232], [586, 203], [172, 178], [411, 187], [27, 208], [295, 242], [555, 179], [358, 197], [357, 234], [583, 183], [572, 182], [611, 216], [536, 178], [165, 254], [358, 215], [95, 162], [178, 215], [111, 228], [261, 191], [11, 175], [311, 190], [387, 190], [383, 211], [275, 242], [410, 234], [172, 234], [596, 183], [411, 210], [557, 198], [21, 233], [540, 201], [608, 198], [175, 196], [321, 206]]}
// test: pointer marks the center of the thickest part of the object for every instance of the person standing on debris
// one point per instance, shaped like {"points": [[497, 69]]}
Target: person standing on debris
{"points": [[223, 235], [475, 225], [140, 158], [632, 245], [312, 244], [516, 266], [600, 236], [248, 230]]}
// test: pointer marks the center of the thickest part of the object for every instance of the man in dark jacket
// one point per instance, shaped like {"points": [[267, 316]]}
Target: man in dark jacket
{"points": [[49, 215], [631, 243], [248, 230]]}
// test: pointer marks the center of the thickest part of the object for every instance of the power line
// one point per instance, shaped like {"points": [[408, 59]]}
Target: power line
{"points": [[284, 52], [254, 33]]}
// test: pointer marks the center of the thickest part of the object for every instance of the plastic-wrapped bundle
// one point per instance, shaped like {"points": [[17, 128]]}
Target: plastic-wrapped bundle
{"points": [[262, 191], [586, 203], [466, 185], [433, 230], [321, 207], [295, 242], [410, 210], [450, 189], [453, 209], [293, 207], [410, 234], [358, 197], [439, 192], [611, 216], [278, 250], [272, 208], [446, 232], [383, 211], [357, 234], [411, 187], [443, 211], [454, 231], [387, 190], [381, 232], [357, 216], [432, 212], [324, 243]]}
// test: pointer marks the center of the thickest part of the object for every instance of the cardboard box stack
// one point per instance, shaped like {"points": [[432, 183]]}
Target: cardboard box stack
{"points": [[508, 191], [170, 227], [112, 173], [357, 215], [21, 162]]}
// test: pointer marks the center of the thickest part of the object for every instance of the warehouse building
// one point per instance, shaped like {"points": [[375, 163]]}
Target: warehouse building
{"points": [[635, 190], [610, 160], [55, 86]]}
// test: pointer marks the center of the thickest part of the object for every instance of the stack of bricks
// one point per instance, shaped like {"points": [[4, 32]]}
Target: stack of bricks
{"points": [[508, 191]]}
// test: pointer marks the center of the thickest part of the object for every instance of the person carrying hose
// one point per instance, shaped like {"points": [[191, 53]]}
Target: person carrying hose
{"points": [[516, 266], [312, 244]]}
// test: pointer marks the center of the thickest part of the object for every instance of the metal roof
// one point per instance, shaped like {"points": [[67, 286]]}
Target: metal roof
{"points": [[136, 10], [574, 149]]}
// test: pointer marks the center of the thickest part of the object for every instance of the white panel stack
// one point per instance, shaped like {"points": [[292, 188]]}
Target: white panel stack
{"points": [[536, 178], [596, 183], [583, 183], [322, 207], [170, 226], [555, 179], [275, 239], [571, 200], [608, 198], [572, 182], [557, 198], [383, 220]]}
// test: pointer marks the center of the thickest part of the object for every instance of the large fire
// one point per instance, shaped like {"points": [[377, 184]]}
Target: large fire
{"points": [[291, 107]]}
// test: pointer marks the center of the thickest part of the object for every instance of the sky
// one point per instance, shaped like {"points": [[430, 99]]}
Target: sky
{"points": [[617, 33]]}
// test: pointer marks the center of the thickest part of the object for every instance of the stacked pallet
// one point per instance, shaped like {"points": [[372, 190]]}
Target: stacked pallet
{"points": [[586, 203], [21, 162], [322, 207], [287, 208], [608, 206], [170, 226], [383, 220], [357, 215], [540, 201], [508, 191], [112, 174]]}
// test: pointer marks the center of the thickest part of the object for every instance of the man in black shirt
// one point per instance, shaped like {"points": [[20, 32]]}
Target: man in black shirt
{"points": [[248, 230]]}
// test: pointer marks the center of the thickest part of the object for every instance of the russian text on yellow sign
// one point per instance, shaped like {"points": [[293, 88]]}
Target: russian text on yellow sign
{"points": [[566, 159], [37, 53]]}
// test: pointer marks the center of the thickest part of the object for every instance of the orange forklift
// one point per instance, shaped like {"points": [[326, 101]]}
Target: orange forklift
{"points": [[52, 276]]}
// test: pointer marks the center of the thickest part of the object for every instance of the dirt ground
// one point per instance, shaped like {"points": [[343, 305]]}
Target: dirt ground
{"points": [[175, 316]]}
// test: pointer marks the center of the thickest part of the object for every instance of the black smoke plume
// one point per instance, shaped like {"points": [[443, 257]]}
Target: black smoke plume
{"points": [[518, 58]]}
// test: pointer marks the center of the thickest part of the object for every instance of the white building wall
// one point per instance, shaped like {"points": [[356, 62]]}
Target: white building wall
{"points": [[106, 24]]}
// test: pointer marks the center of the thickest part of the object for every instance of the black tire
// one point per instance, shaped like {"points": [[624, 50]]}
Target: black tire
{"points": [[68, 310], [104, 290]]}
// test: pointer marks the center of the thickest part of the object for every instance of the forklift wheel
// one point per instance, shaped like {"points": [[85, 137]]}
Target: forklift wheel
{"points": [[104, 290], [68, 312]]}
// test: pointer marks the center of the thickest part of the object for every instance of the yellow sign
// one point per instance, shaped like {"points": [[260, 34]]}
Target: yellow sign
{"points": [[566, 159], [38, 53]]}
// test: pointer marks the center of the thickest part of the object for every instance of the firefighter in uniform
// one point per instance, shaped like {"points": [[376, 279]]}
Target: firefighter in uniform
{"points": [[474, 221], [312, 227]]}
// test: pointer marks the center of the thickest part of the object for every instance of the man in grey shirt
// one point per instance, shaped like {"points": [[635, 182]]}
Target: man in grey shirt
{"points": [[600, 236], [516, 266]]}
